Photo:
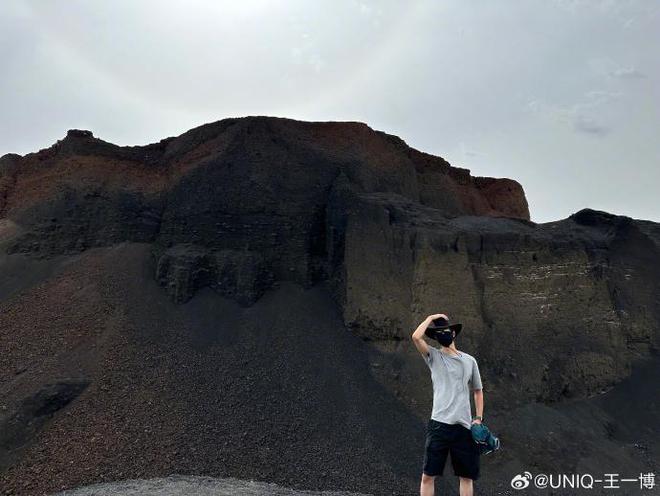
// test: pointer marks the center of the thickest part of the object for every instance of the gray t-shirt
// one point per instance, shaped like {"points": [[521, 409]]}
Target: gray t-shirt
{"points": [[453, 376]]}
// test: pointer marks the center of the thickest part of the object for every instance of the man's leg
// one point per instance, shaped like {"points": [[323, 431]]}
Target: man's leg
{"points": [[465, 486], [427, 487], [436, 451], [464, 454]]}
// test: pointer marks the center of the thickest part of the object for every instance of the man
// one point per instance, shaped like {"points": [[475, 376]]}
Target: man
{"points": [[454, 373]]}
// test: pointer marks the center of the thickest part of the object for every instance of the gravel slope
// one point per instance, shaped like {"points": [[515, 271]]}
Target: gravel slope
{"points": [[204, 388], [178, 485], [103, 378]]}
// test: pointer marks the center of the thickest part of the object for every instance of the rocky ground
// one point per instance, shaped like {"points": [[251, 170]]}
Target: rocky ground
{"points": [[207, 387], [191, 485]]}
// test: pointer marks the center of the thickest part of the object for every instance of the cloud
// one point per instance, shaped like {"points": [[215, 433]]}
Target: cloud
{"points": [[628, 73], [599, 97], [594, 99], [581, 115], [467, 152], [588, 125]]}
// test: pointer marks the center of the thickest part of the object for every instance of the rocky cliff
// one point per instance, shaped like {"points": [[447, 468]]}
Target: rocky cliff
{"points": [[293, 260], [236, 205]]}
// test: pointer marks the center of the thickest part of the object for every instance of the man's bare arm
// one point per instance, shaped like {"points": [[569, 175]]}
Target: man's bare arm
{"points": [[479, 403], [418, 336]]}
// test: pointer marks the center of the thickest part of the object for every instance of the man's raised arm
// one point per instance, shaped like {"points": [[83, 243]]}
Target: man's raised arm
{"points": [[418, 336]]}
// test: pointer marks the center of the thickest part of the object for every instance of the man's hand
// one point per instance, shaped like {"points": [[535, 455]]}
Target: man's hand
{"points": [[476, 421], [418, 336]]}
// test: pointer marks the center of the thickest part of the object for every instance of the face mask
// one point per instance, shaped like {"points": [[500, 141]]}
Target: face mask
{"points": [[445, 338]]}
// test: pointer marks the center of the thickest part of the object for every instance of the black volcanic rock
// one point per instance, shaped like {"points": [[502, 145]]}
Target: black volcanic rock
{"points": [[240, 298], [241, 275], [261, 184]]}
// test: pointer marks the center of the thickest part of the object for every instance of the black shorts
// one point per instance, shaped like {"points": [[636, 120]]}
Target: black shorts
{"points": [[454, 439]]}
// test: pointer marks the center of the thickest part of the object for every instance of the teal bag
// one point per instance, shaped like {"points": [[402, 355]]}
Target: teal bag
{"points": [[484, 438]]}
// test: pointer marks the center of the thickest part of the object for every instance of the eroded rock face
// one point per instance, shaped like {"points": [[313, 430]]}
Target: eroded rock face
{"points": [[240, 204], [241, 275], [553, 310], [260, 185]]}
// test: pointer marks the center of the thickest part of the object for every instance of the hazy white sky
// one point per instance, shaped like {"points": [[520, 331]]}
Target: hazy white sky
{"points": [[560, 95]]}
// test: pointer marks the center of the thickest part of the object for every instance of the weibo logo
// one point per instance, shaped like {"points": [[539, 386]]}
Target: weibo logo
{"points": [[521, 481]]}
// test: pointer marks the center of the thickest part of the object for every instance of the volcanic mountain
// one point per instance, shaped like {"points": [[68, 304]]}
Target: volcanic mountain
{"points": [[238, 302]]}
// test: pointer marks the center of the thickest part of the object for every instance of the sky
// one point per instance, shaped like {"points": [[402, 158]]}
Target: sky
{"points": [[561, 95]]}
